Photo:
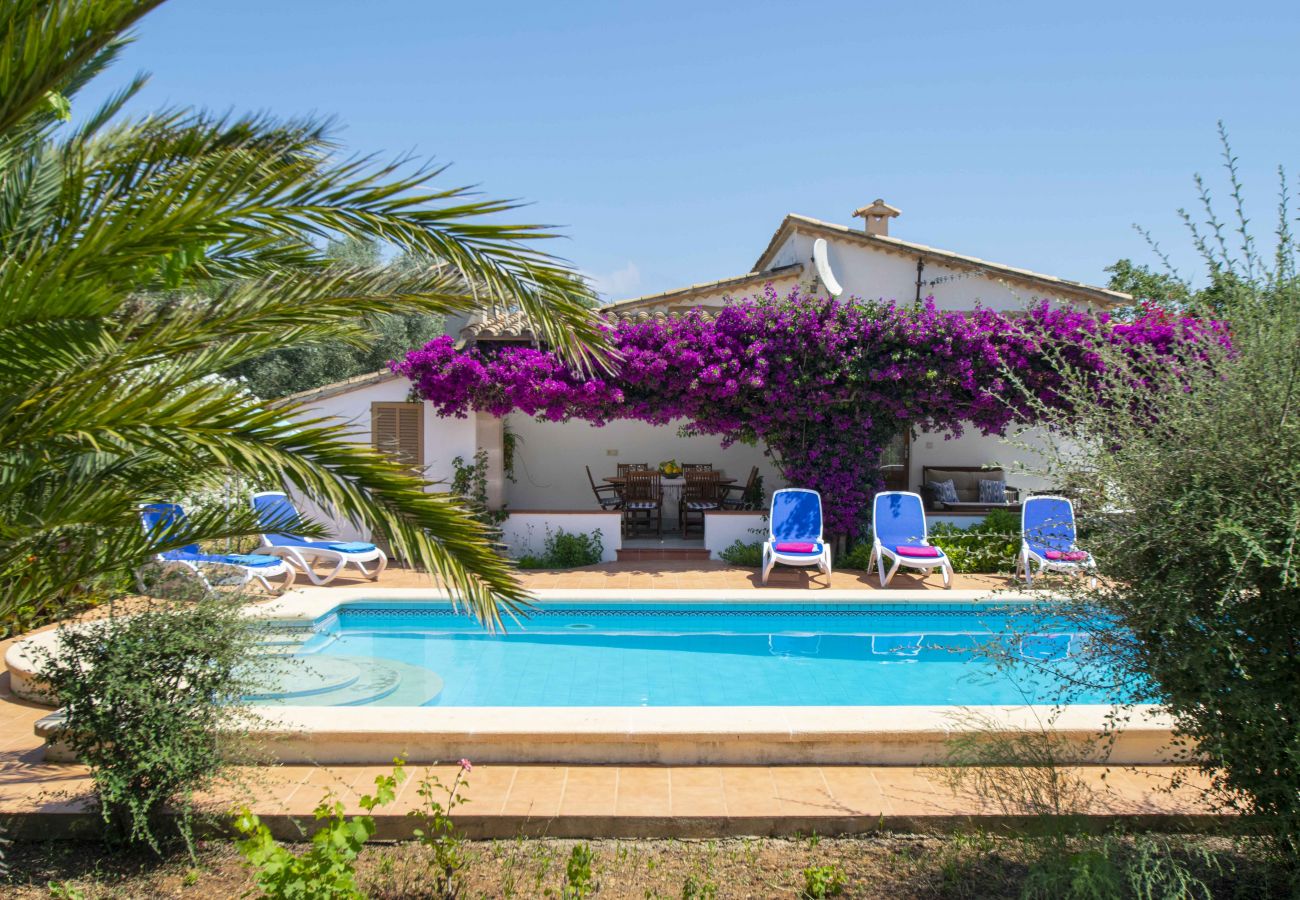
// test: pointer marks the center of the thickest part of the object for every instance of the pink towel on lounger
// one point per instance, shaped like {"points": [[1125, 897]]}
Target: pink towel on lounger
{"points": [[1067, 555], [918, 552], [796, 547]]}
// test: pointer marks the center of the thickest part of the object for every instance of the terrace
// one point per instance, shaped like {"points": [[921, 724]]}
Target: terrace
{"points": [[512, 798]]}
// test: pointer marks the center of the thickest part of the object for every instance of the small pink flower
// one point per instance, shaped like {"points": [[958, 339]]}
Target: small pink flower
{"points": [[466, 766]]}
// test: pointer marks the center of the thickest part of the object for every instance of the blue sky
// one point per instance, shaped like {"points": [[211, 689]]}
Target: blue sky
{"points": [[668, 139]]}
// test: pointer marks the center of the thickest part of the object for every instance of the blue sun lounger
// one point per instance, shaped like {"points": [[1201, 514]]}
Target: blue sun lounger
{"points": [[1048, 540], [794, 535], [162, 517], [275, 506], [899, 534]]}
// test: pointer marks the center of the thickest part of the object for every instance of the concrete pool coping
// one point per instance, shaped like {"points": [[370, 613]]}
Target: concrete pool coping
{"points": [[714, 735]]}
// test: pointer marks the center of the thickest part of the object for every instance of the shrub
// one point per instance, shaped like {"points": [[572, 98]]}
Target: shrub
{"points": [[439, 833], [469, 484], [856, 557], [1194, 475], [566, 550], [988, 546], [579, 882], [820, 882], [742, 554], [146, 698], [327, 869]]}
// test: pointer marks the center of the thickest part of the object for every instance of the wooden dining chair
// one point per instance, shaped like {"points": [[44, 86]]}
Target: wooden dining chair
{"points": [[609, 496], [697, 467], [624, 468], [733, 496], [643, 502], [699, 495]]}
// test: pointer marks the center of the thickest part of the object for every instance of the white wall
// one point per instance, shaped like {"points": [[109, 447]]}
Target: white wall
{"points": [[874, 274], [444, 440], [722, 529], [550, 457], [526, 532], [974, 449]]}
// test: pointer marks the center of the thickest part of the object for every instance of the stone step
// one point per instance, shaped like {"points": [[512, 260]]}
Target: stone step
{"points": [[377, 683], [295, 679], [646, 554]]}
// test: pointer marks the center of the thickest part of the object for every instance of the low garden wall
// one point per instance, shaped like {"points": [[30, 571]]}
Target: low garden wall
{"points": [[725, 527], [524, 531]]}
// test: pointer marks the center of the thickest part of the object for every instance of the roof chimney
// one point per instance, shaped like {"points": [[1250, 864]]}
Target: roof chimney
{"points": [[876, 217]]}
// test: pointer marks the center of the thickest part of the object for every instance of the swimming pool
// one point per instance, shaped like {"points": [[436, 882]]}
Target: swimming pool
{"points": [[647, 654]]}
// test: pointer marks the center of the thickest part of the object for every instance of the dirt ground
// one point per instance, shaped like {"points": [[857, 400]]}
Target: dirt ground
{"points": [[878, 866]]}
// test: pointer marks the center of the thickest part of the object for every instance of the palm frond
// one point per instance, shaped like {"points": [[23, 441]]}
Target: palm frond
{"points": [[141, 258]]}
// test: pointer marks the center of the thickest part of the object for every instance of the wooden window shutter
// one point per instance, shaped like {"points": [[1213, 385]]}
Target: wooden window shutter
{"points": [[397, 430]]}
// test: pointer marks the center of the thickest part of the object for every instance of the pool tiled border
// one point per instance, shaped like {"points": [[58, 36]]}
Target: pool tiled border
{"points": [[42, 798], [714, 735]]}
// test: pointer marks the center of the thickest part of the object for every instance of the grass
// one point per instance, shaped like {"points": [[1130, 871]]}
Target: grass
{"points": [[879, 866]]}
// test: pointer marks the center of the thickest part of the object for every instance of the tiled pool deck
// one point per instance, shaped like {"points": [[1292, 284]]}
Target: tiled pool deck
{"points": [[39, 798]]}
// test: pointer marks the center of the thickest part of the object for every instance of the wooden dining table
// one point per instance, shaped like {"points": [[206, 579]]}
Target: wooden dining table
{"points": [[671, 487], [665, 481]]}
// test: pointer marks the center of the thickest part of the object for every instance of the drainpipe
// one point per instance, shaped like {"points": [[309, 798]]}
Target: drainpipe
{"points": [[920, 267]]}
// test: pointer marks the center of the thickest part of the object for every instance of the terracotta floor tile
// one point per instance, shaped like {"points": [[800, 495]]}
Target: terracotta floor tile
{"points": [[590, 791], [749, 791], [536, 792], [319, 781], [911, 793], [263, 791], [696, 792], [20, 749], [485, 792], [801, 790], [1142, 792], [643, 792], [73, 795], [854, 790]]}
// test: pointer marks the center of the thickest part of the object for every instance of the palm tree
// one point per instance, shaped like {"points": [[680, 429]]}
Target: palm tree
{"points": [[141, 257]]}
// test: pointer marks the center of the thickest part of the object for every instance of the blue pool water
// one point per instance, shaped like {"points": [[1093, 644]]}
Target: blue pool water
{"points": [[646, 654]]}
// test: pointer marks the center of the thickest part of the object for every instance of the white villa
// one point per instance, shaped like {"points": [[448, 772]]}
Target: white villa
{"points": [[549, 487]]}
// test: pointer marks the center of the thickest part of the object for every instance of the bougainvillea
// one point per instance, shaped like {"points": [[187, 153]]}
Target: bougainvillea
{"points": [[823, 384]]}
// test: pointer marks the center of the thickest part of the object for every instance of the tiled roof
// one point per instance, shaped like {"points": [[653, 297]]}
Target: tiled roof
{"points": [[515, 327], [338, 387], [755, 278], [502, 326]]}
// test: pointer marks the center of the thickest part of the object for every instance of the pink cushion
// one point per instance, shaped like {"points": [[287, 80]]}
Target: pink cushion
{"points": [[1067, 555], [796, 547], [918, 552]]}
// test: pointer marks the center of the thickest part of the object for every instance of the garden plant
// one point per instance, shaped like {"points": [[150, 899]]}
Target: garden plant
{"points": [[151, 705], [1189, 472], [142, 256], [823, 384]]}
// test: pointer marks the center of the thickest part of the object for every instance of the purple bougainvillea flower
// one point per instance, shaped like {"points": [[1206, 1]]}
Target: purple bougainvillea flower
{"points": [[824, 384]]}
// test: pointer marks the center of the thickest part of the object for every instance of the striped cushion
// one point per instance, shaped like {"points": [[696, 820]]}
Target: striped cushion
{"points": [[700, 504], [643, 504], [993, 491]]}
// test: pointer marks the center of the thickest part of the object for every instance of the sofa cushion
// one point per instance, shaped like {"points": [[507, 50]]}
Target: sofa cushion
{"points": [[943, 491], [993, 490], [966, 483]]}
